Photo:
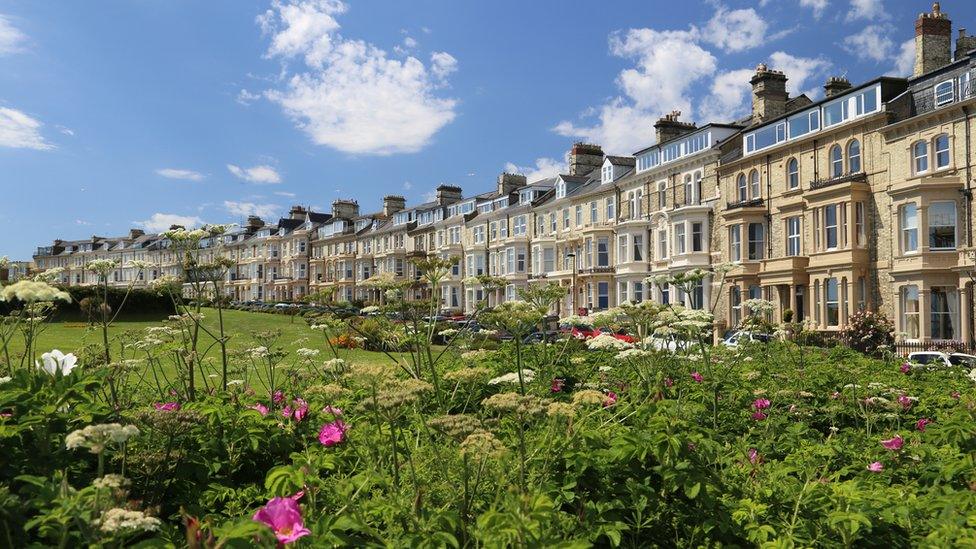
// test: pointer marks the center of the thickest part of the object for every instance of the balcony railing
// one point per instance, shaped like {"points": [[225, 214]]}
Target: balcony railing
{"points": [[830, 181], [598, 270], [926, 103], [752, 203]]}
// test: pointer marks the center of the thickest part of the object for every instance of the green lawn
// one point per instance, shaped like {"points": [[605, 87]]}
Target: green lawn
{"points": [[71, 335]]}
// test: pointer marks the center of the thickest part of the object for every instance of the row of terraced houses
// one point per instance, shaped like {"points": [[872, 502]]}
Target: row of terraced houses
{"points": [[859, 200]]}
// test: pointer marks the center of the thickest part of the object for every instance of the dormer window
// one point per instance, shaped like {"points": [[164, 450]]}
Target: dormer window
{"points": [[607, 173], [944, 93], [561, 189]]}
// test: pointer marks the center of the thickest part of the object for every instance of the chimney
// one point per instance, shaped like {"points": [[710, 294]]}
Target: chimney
{"points": [[509, 182], [933, 41], [136, 233], [392, 204], [836, 85], [171, 227], [669, 127], [345, 208], [448, 194], [584, 158], [964, 44], [768, 94], [297, 212], [254, 222]]}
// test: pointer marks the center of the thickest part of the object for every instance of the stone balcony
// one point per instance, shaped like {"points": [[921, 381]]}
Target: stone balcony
{"points": [[927, 260], [785, 270]]}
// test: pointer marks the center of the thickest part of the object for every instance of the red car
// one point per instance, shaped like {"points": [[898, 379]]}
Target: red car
{"points": [[589, 333]]}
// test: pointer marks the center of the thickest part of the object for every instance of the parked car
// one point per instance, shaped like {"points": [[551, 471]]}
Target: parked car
{"points": [[538, 337], [668, 343], [940, 359], [739, 336]]}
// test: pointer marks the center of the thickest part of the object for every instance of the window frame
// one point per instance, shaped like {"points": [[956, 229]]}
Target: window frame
{"points": [[792, 174], [835, 157], [954, 225], [920, 162], [951, 95], [939, 152], [908, 233], [854, 156]]}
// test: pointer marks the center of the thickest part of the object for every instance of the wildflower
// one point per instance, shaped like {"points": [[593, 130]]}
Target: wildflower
{"points": [[905, 401], [467, 375], [876, 467], [955, 395], [233, 382], [5, 379], [278, 396], [118, 519], [512, 377], [557, 384], [329, 409], [30, 291], [905, 368], [481, 444], [111, 482], [527, 405], [635, 354], [894, 444], [760, 404], [588, 397], [307, 353], [97, 437], [668, 382], [753, 456], [922, 423], [697, 377], [261, 408], [167, 406], [606, 342], [284, 516], [759, 416], [610, 399], [297, 410], [333, 433], [560, 409], [57, 361]]}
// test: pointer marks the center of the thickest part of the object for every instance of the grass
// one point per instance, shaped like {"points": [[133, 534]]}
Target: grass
{"points": [[74, 334]]}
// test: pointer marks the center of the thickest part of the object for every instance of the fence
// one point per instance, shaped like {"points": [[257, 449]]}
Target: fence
{"points": [[942, 345]]}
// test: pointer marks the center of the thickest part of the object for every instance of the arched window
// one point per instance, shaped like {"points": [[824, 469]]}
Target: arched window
{"points": [[854, 156], [836, 161], [754, 184], [920, 156], [741, 185], [689, 190], [793, 173], [942, 151]]}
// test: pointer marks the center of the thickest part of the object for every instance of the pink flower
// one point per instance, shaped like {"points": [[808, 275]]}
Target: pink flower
{"points": [[261, 408], [835, 395], [5, 415], [697, 377], [335, 412], [333, 433], [167, 406], [955, 395], [876, 467], [284, 516], [610, 399], [277, 397], [905, 401], [759, 416], [905, 368], [286, 412], [760, 404], [922, 423], [668, 382], [894, 443], [753, 456], [557, 384]]}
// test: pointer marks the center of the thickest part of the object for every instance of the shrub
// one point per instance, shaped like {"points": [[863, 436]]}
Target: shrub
{"points": [[869, 332]]}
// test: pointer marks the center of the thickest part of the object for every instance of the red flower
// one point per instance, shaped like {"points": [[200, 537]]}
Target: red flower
{"points": [[922, 423], [610, 399], [557, 384]]}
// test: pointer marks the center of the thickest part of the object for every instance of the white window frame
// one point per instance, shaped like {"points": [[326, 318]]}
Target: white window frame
{"points": [[946, 95]]}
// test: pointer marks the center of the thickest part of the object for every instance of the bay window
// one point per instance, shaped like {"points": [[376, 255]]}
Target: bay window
{"points": [[832, 300], [603, 252], [622, 249], [942, 225], [696, 237], [910, 312], [757, 240], [944, 312], [909, 228], [638, 247], [830, 226]]}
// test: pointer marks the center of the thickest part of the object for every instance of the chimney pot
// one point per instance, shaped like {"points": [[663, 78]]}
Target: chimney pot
{"points": [[584, 158], [933, 41], [768, 93], [670, 126]]}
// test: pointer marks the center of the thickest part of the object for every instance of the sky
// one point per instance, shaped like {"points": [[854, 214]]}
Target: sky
{"points": [[119, 114]]}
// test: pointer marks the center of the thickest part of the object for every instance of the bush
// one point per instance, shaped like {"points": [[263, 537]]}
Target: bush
{"points": [[870, 333]]}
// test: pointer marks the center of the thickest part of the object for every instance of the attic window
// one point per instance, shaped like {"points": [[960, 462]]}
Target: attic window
{"points": [[943, 93], [607, 173], [561, 189]]}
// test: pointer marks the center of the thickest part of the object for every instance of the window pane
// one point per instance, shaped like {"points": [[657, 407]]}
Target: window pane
{"points": [[942, 151], [942, 225]]}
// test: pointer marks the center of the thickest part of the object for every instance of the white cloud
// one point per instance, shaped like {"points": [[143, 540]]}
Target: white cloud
{"points": [[872, 42], [407, 185], [20, 131], [285, 194], [800, 71], [544, 167], [736, 30], [245, 97], [818, 6], [904, 59], [871, 10], [256, 174], [160, 222], [176, 173], [244, 209], [11, 39], [730, 96], [352, 96], [81, 222]]}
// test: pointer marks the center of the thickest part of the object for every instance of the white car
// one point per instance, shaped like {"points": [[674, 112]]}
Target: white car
{"points": [[733, 339], [948, 360]]}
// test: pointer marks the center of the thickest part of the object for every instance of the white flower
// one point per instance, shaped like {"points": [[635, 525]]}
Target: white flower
{"points": [[972, 375], [307, 353], [448, 332], [102, 267], [235, 382], [633, 353], [96, 437], [111, 481], [607, 342], [513, 377], [369, 310], [56, 360], [258, 352], [48, 275], [32, 291], [5, 379], [118, 519]]}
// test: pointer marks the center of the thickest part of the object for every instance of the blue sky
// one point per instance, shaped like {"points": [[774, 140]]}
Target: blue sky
{"points": [[138, 113]]}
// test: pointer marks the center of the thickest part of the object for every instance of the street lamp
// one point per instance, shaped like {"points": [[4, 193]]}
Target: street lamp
{"points": [[572, 257]]}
